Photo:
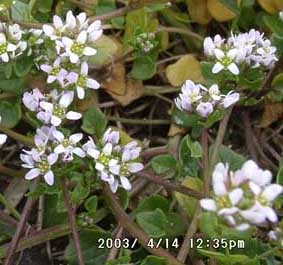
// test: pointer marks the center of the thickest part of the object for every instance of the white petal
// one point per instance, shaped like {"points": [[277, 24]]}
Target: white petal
{"points": [[228, 211], [208, 204], [272, 191], [3, 138], [235, 196], [57, 21], [91, 83], [84, 68], [270, 214], [33, 173], [233, 68], [51, 79], [59, 136], [75, 138], [80, 92], [107, 149], [48, 30], [46, 68], [52, 159], [72, 115], [67, 42], [254, 188], [88, 51], [82, 37], [46, 106], [219, 54], [56, 121], [49, 178], [66, 99], [217, 68], [93, 153], [242, 227], [219, 189], [79, 152], [59, 149], [135, 167], [99, 166], [115, 169], [125, 183]]}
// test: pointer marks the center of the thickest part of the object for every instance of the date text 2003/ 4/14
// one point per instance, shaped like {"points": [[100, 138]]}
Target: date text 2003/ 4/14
{"points": [[128, 243]]}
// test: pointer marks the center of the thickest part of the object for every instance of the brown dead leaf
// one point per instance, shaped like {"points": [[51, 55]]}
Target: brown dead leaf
{"points": [[124, 91], [188, 67], [198, 11], [272, 112], [174, 130]]}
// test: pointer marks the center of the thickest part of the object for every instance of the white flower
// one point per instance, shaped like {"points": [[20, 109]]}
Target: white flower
{"points": [[214, 92], [78, 48], [210, 44], [5, 48], [204, 109], [55, 113], [54, 32], [55, 72], [32, 99], [114, 163], [36, 36], [94, 31], [82, 81], [68, 146], [267, 54], [226, 61], [230, 99], [3, 137], [39, 165], [42, 137]]}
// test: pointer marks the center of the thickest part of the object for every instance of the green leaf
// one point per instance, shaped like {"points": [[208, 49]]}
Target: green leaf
{"points": [[279, 177], [184, 119], [11, 113], [23, 65], [80, 192], [174, 225], [51, 215], [209, 224], [163, 163], [14, 86], [189, 164], [94, 122], [93, 255], [274, 23], [22, 11], [195, 148], [91, 204], [153, 202], [120, 261], [232, 5], [143, 68], [153, 260], [107, 48], [154, 222], [227, 155], [214, 117]]}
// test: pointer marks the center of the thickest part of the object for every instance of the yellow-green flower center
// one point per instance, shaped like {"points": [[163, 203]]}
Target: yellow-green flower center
{"points": [[78, 48], [66, 143], [3, 48], [104, 160], [226, 61], [59, 111], [43, 166], [124, 170], [223, 202], [82, 80], [55, 71]]}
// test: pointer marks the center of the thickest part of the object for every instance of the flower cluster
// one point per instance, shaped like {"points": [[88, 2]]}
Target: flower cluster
{"points": [[250, 48], [114, 162], [144, 42], [3, 137], [51, 108], [196, 97], [51, 146], [244, 197], [11, 43], [73, 40]]}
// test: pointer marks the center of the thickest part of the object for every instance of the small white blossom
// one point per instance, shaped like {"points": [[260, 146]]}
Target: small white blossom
{"points": [[114, 162], [55, 72], [75, 49], [56, 112], [210, 44], [82, 81], [39, 165], [225, 61], [32, 99], [68, 146]]}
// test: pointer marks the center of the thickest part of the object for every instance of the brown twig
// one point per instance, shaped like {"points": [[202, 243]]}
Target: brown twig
{"points": [[126, 222], [168, 184], [72, 220], [21, 225]]}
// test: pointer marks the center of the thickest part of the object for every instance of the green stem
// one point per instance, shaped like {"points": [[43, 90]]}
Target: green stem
{"points": [[9, 207], [180, 31], [17, 136], [216, 146], [153, 90], [138, 121]]}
